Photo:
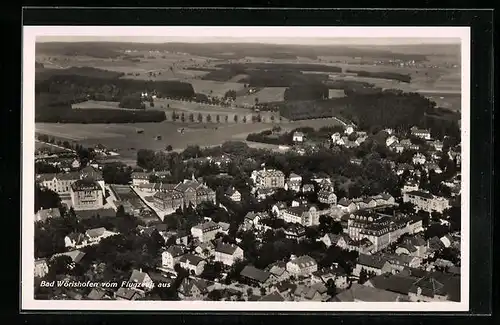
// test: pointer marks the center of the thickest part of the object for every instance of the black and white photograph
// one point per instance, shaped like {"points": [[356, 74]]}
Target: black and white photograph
{"points": [[246, 168]]}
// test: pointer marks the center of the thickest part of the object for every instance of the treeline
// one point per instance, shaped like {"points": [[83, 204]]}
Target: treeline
{"points": [[282, 66], [81, 71], [281, 78], [268, 137], [64, 114], [383, 75], [347, 84], [311, 109], [306, 92]]}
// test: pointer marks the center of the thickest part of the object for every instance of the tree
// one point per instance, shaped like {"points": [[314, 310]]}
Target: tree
{"points": [[60, 265], [174, 116], [235, 118], [363, 276], [209, 118], [331, 288], [217, 118], [263, 291], [230, 94], [244, 119], [169, 148], [191, 117], [183, 117], [200, 117]]}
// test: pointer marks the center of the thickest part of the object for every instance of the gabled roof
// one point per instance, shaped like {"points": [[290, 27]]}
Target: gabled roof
{"points": [[96, 232], [176, 250], [44, 214], [254, 273], [373, 261], [188, 284], [75, 255], [272, 297], [138, 276], [96, 294], [128, 293], [85, 184], [76, 237], [228, 249], [359, 292], [207, 226], [304, 261], [393, 282]]}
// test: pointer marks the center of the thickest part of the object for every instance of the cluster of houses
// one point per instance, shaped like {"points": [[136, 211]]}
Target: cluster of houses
{"points": [[351, 138]]}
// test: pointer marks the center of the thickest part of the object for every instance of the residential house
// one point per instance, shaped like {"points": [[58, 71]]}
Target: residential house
{"points": [[349, 129], [75, 240], [193, 289], [98, 294], [447, 240], [341, 240], [335, 137], [251, 220], [436, 287], [75, 255], [298, 136], [362, 246], [304, 214], [315, 292], [432, 166], [372, 263], [140, 178], [268, 178], [347, 206], [307, 188], [361, 293], [94, 236], [278, 208], [141, 281], [227, 254], [224, 227], [263, 193], [335, 274], [390, 140], [426, 201], [278, 271], [45, 214], [193, 263], [171, 256], [397, 283], [274, 296], [255, 276], [356, 161], [233, 194], [128, 294], [41, 267], [418, 159], [327, 196], [205, 231], [413, 246], [205, 249], [410, 186], [421, 133], [293, 183], [401, 168], [438, 145], [86, 194], [400, 262], [188, 192], [397, 147], [295, 231], [302, 266]]}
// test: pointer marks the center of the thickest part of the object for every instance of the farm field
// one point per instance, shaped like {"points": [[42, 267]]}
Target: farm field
{"points": [[126, 141], [194, 107], [214, 88], [265, 95], [336, 93]]}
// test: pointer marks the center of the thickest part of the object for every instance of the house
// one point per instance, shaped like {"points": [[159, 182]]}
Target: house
{"points": [[285, 288], [224, 227], [278, 271], [426, 201], [432, 166], [401, 168], [402, 261], [278, 208], [128, 294], [293, 183], [398, 283], [421, 133], [371, 263], [140, 281], [75, 255], [360, 140], [193, 289], [205, 231], [255, 276], [335, 274], [438, 145], [98, 294], [335, 137], [227, 254], [298, 136], [315, 292], [204, 249], [95, 235], [274, 296], [413, 246], [363, 246], [233, 194], [302, 266], [410, 186], [263, 193], [45, 214], [251, 220], [193, 263], [436, 286], [347, 206], [75, 240], [340, 240], [361, 293], [446, 240], [295, 231], [304, 214], [307, 188], [349, 129], [327, 197], [140, 178], [86, 194], [171, 256], [397, 147], [268, 178], [418, 159], [41, 267], [390, 140]]}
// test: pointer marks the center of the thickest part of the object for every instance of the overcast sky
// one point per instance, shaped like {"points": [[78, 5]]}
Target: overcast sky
{"points": [[270, 40]]}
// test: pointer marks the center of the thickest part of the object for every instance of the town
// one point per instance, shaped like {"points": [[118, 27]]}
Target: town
{"points": [[335, 214]]}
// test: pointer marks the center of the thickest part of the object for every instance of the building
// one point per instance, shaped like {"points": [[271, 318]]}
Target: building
{"points": [[233, 194], [298, 136], [140, 178], [361, 293], [342, 240], [349, 129], [171, 256], [418, 159], [227, 254], [193, 263], [347, 206], [256, 276], [375, 264], [94, 236], [205, 231], [251, 221], [293, 183], [45, 214], [327, 196], [421, 133], [278, 270], [141, 281], [426, 201], [303, 214], [41, 267], [390, 140], [268, 178], [436, 287], [410, 186], [302, 266], [86, 194], [193, 289], [185, 193], [295, 231]]}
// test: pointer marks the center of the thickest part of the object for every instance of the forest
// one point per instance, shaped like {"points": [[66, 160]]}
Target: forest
{"points": [[382, 75]]}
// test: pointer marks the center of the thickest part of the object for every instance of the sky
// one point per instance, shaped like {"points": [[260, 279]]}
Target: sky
{"points": [[269, 40]]}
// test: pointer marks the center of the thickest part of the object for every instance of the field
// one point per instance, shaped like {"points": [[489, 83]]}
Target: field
{"points": [[214, 88], [335, 93], [124, 139], [265, 95]]}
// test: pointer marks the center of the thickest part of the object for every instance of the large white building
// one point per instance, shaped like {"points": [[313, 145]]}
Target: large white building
{"points": [[426, 201], [86, 194], [227, 254], [205, 231], [302, 266]]}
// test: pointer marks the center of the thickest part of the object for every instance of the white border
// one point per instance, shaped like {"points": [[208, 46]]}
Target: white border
{"points": [[27, 281]]}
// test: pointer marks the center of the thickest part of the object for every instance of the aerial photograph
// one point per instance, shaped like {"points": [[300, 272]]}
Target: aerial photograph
{"points": [[238, 169]]}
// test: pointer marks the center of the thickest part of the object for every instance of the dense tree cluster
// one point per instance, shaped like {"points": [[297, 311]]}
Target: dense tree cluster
{"points": [[132, 101], [46, 198], [116, 173], [383, 75], [313, 91]]}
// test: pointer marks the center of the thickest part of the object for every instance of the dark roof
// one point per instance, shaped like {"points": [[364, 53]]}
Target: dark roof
{"points": [[255, 273], [207, 226], [359, 292], [190, 259], [176, 250], [86, 214], [393, 282], [75, 255], [272, 297], [373, 261], [85, 184], [127, 293], [421, 194], [304, 261], [44, 214], [96, 294], [226, 248], [96, 232]]}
